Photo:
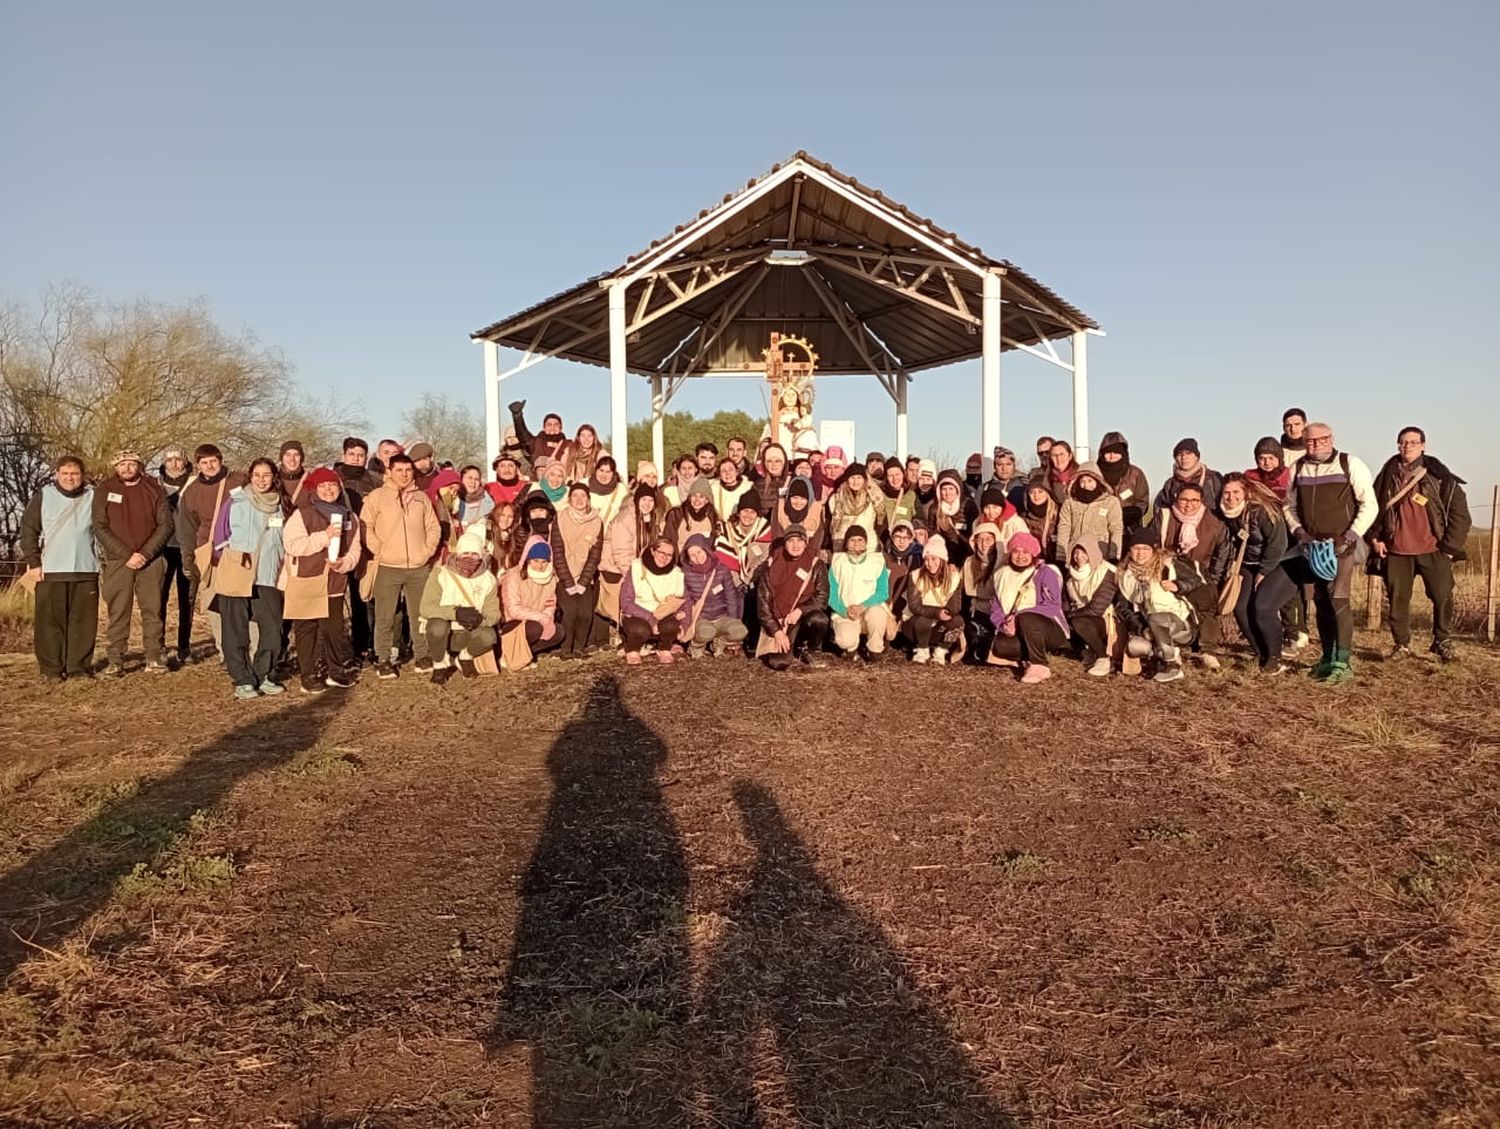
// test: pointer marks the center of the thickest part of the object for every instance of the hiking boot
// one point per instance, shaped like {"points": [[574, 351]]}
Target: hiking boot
{"points": [[441, 675], [114, 669], [1099, 669], [1321, 668], [1445, 651], [1400, 652], [246, 693], [1035, 673], [1169, 673], [1339, 672], [467, 668], [386, 671], [313, 686], [423, 666], [921, 655], [271, 689]]}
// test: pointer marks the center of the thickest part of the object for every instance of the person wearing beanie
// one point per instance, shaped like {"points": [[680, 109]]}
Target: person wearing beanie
{"points": [[995, 508], [1331, 499], [903, 556], [895, 496], [201, 506], [1089, 590], [859, 595], [743, 547], [175, 473], [1293, 435], [512, 448], [653, 602], [1154, 613], [132, 524], [290, 468], [1027, 612], [1421, 530], [313, 586], [855, 502], [1062, 468], [577, 546], [974, 475], [1188, 466], [461, 607], [827, 474], [714, 602], [1040, 512], [1189, 529], [978, 573], [1270, 469], [934, 605], [875, 467], [529, 603], [1126, 481], [403, 533], [646, 472], [245, 581], [1255, 524], [1091, 513], [357, 481], [695, 515], [792, 601], [1005, 476], [951, 514], [62, 566], [510, 483], [774, 475], [633, 529], [799, 506]]}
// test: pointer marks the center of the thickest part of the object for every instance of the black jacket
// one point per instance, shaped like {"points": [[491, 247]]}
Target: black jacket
{"points": [[1447, 506], [1268, 539]]}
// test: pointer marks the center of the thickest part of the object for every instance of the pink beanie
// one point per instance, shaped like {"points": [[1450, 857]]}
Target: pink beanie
{"points": [[1025, 542]]}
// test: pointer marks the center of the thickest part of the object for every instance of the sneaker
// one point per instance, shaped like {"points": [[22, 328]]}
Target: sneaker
{"points": [[246, 693], [1272, 669], [1321, 669], [386, 671], [1172, 673], [667, 657], [1210, 662], [114, 669], [271, 689], [185, 658], [1445, 651], [1100, 669], [815, 662], [467, 668], [313, 686], [921, 655], [1400, 652], [156, 666], [940, 655], [1035, 673], [1302, 640], [441, 675], [1339, 672], [632, 658], [423, 666], [338, 681]]}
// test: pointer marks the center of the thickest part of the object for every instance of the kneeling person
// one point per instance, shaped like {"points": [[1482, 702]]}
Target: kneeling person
{"points": [[859, 595], [716, 603], [461, 604]]}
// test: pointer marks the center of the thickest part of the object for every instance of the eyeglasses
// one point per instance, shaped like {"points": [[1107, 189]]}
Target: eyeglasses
{"points": [[1319, 440]]}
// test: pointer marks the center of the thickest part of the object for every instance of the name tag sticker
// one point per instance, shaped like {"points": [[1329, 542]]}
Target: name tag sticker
{"points": [[274, 522], [113, 498], [1419, 499], [802, 574], [717, 588]]}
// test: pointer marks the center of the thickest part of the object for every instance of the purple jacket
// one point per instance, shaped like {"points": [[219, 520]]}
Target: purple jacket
{"points": [[1048, 583]]}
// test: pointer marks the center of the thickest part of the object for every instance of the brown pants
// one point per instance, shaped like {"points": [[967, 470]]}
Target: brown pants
{"points": [[123, 588]]}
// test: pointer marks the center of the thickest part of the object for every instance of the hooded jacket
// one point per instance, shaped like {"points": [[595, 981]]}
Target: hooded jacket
{"points": [[1091, 589], [713, 584], [1100, 519], [1126, 480]]}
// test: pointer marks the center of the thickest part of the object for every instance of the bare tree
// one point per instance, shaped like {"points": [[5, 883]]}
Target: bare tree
{"points": [[455, 434]]}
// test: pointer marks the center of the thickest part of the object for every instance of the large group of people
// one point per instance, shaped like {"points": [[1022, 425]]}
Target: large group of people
{"points": [[397, 560]]}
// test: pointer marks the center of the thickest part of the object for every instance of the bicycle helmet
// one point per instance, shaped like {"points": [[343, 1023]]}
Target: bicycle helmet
{"points": [[1322, 558]]}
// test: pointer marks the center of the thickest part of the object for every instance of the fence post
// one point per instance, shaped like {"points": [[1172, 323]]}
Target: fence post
{"points": [[1374, 602], [1491, 596]]}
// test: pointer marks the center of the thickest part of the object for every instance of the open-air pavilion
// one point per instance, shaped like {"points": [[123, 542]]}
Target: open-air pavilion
{"points": [[806, 251]]}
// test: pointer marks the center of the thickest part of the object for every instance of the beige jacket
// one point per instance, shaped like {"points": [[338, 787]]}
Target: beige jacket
{"points": [[401, 527]]}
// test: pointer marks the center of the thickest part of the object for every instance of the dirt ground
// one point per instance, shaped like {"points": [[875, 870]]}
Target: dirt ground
{"points": [[713, 896]]}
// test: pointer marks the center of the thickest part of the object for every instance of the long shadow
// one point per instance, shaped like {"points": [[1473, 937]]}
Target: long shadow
{"points": [[808, 1008], [598, 976], [49, 895]]}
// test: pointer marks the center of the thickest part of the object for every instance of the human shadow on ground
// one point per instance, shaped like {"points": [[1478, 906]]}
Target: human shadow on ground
{"points": [[54, 891], [598, 975], [809, 1013]]}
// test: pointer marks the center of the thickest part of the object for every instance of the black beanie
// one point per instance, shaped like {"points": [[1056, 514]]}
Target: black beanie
{"points": [[992, 496], [1269, 445], [856, 531], [1186, 445], [1138, 535]]}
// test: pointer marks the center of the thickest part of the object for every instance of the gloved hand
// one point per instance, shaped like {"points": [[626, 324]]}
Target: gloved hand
{"points": [[1301, 536], [1349, 539], [516, 406], [468, 618]]}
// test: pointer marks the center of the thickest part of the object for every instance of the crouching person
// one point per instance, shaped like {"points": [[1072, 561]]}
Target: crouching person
{"points": [[529, 597], [461, 604], [322, 540], [934, 603], [653, 604], [1027, 611], [859, 595], [1153, 586], [1088, 599], [717, 602], [792, 593]]}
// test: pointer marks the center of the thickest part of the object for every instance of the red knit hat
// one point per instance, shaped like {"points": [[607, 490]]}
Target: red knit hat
{"points": [[316, 478]]}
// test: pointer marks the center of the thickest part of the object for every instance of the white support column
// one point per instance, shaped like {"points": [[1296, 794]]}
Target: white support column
{"points": [[658, 438], [491, 401], [1081, 396], [990, 398], [617, 420], [902, 381]]}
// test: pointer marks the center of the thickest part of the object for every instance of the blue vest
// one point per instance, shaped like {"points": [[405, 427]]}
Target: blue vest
{"points": [[67, 532]]}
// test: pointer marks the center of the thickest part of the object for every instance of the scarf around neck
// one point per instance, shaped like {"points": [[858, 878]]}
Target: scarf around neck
{"points": [[1187, 535]]}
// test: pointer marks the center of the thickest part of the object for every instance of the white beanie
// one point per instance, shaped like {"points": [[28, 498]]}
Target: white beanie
{"points": [[936, 547]]}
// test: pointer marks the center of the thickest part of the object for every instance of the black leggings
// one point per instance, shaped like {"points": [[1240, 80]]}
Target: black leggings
{"points": [[1092, 634], [638, 632], [1036, 637], [1260, 620], [1330, 599], [577, 619]]}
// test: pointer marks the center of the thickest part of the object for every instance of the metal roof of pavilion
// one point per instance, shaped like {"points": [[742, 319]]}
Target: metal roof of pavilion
{"points": [[804, 250]]}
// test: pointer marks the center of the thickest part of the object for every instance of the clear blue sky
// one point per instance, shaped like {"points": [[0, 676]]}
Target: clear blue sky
{"points": [[1262, 204]]}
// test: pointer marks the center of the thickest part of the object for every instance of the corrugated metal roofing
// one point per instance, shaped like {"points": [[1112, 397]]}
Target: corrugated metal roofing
{"points": [[829, 226]]}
